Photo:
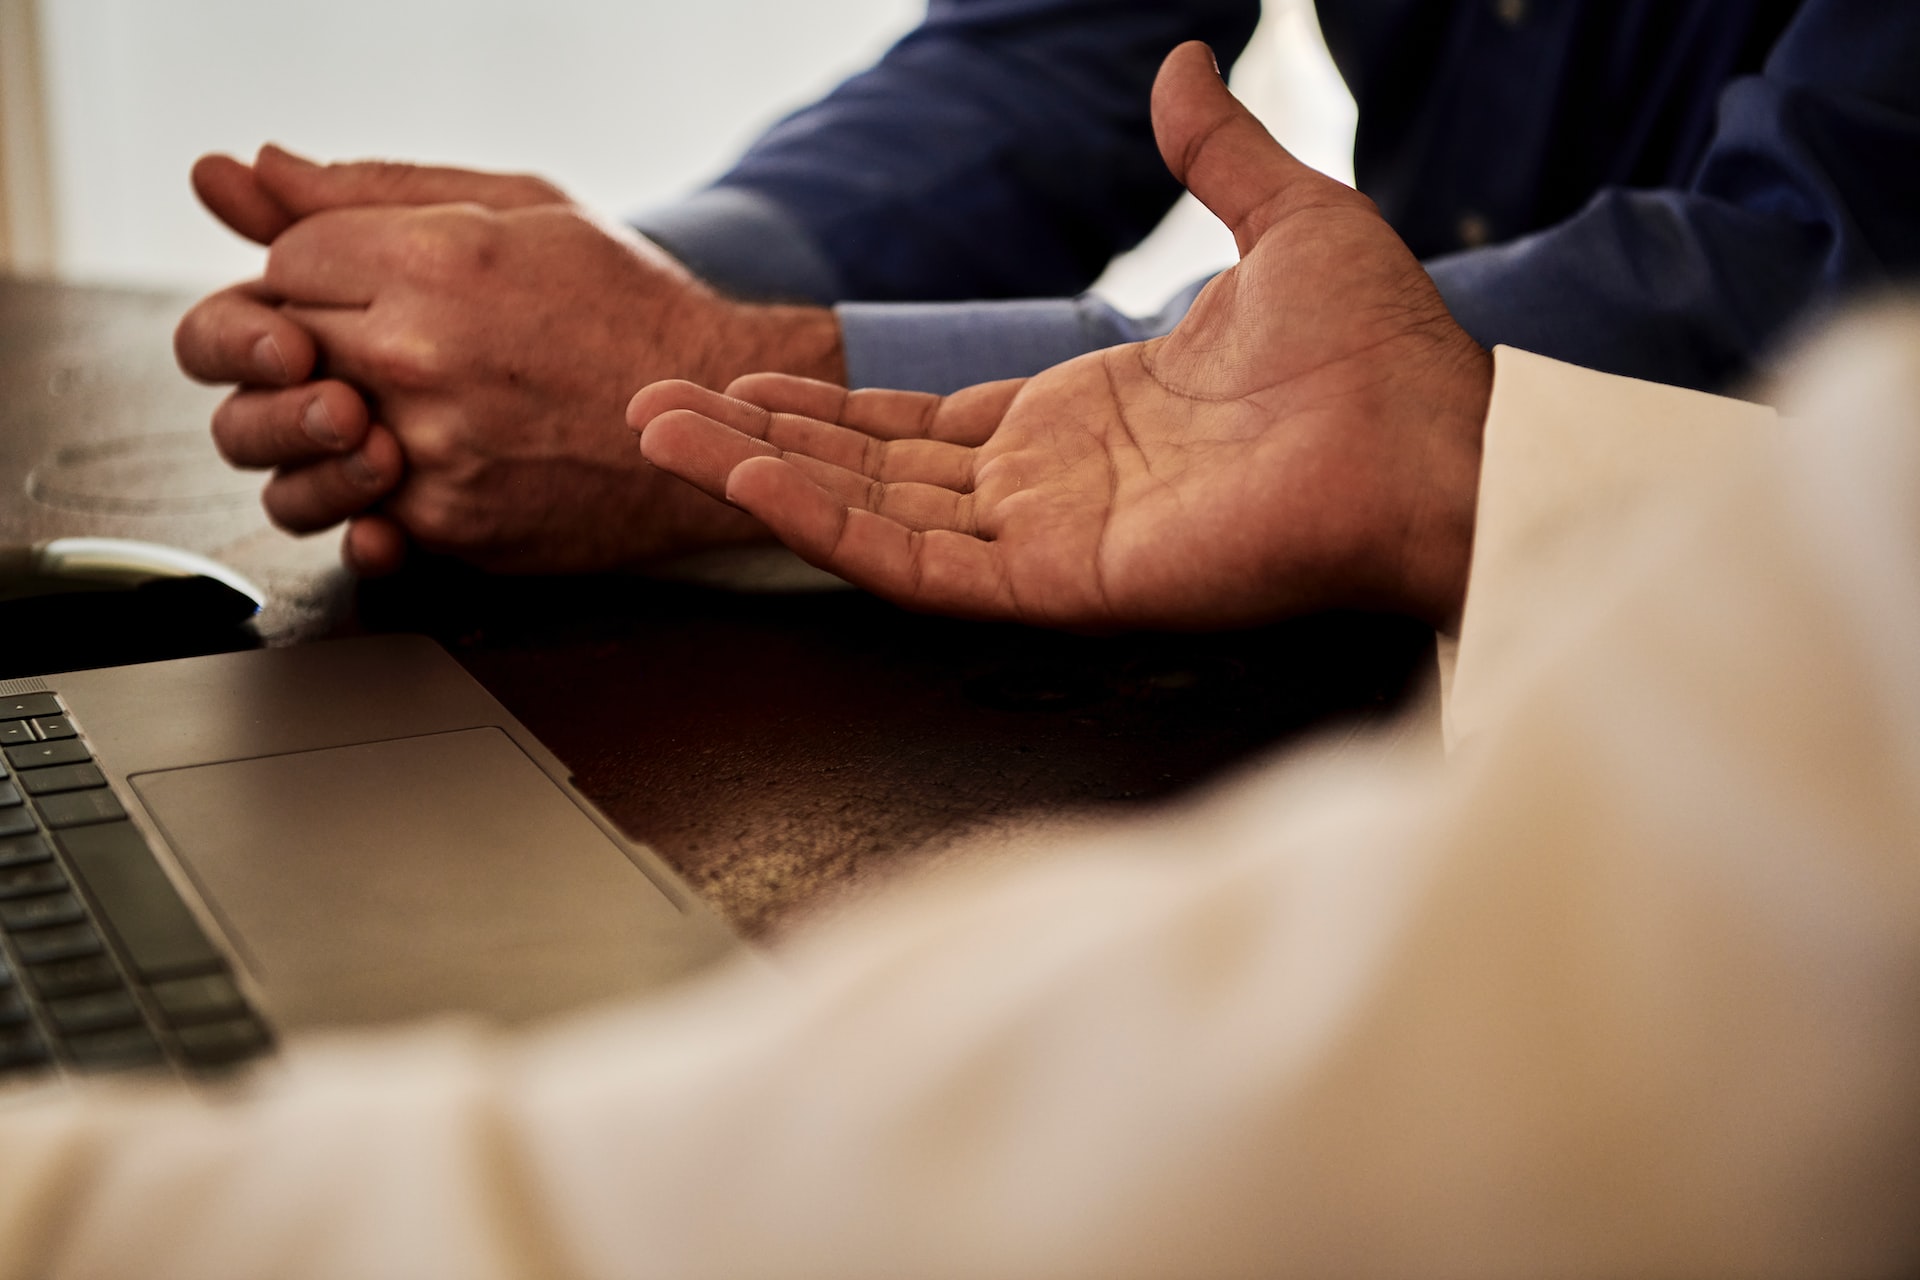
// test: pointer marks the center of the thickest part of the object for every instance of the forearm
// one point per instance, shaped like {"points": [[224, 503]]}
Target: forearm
{"points": [[1002, 149]]}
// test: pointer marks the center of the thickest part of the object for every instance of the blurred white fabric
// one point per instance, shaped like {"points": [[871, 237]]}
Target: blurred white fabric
{"points": [[1627, 986]]}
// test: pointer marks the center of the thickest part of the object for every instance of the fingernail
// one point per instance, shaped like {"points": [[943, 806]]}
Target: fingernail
{"points": [[268, 361], [361, 472], [317, 421]]}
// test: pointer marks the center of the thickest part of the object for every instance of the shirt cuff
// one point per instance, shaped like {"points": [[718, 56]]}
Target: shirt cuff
{"points": [[744, 244], [1565, 447], [943, 346]]}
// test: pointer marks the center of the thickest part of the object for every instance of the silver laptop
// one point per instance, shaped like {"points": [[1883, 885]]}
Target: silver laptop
{"points": [[200, 856]]}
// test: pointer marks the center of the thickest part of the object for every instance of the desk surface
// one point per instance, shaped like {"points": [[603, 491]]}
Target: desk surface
{"points": [[776, 748]]}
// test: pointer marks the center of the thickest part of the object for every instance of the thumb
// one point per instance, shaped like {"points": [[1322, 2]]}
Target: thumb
{"points": [[233, 194], [1219, 151], [303, 187]]}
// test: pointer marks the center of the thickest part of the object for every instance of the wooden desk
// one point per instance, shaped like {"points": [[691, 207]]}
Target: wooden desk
{"points": [[776, 748]]}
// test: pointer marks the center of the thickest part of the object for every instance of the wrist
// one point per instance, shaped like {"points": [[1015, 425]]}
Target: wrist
{"points": [[765, 338]]}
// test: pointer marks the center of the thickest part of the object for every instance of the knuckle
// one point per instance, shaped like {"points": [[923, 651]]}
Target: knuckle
{"points": [[436, 519], [434, 447], [449, 247], [409, 358]]}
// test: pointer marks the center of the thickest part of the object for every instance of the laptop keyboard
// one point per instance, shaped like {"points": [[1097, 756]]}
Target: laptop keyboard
{"points": [[102, 966]]}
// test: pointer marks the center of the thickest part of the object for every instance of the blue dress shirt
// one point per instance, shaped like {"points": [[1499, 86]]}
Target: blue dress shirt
{"points": [[1658, 188]]}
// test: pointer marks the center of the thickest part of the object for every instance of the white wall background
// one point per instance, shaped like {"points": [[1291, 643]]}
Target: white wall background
{"points": [[623, 102]]}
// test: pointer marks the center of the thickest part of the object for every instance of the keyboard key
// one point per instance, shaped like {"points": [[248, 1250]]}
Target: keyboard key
{"points": [[13, 1008], [78, 808], [206, 999], [21, 1047], [6, 971], [16, 821], [102, 1011], [38, 755], [76, 977], [115, 1050], [45, 912], [139, 903], [16, 850], [27, 705], [215, 1043], [9, 794], [34, 877], [52, 727], [13, 732], [64, 777], [63, 943]]}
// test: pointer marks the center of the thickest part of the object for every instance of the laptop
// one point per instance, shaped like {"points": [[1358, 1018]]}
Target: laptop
{"points": [[200, 856]]}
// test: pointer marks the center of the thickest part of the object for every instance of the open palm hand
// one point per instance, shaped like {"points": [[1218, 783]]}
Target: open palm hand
{"points": [[1308, 436]]}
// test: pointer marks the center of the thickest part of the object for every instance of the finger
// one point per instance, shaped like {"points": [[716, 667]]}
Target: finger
{"points": [[657, 398], [939, 570], [926, 462], [1219, 151], [322, 494], [338, 258], [917, 506], [705, 453], [355, 351], [374, 546], [971, 415], [289, 426], [698, 449], [882, 413], [302, 187], [239, 335], [232, 192], [789, 393], [966, 417]]}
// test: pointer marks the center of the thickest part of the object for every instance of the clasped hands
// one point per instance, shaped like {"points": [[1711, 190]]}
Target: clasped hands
{"points": [[1307, 437], [440, 357]]}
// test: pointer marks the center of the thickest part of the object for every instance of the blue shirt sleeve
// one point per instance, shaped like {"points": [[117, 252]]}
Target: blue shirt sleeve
{"points": [[943, 346], [1807, 192], [1002, 149]]}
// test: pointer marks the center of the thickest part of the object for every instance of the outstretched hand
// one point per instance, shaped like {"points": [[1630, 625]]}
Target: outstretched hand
{"points": [[440, 357], [1307, 437]]}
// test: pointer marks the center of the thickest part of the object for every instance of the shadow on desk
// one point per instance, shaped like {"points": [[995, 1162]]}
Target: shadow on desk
{"points": [[776, 748]]}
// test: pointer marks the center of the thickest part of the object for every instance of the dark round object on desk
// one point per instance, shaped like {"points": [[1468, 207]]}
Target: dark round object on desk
{"points": [[111, 603]]}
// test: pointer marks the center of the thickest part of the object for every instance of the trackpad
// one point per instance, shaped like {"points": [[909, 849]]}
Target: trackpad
{"points": [[414, 877]]}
